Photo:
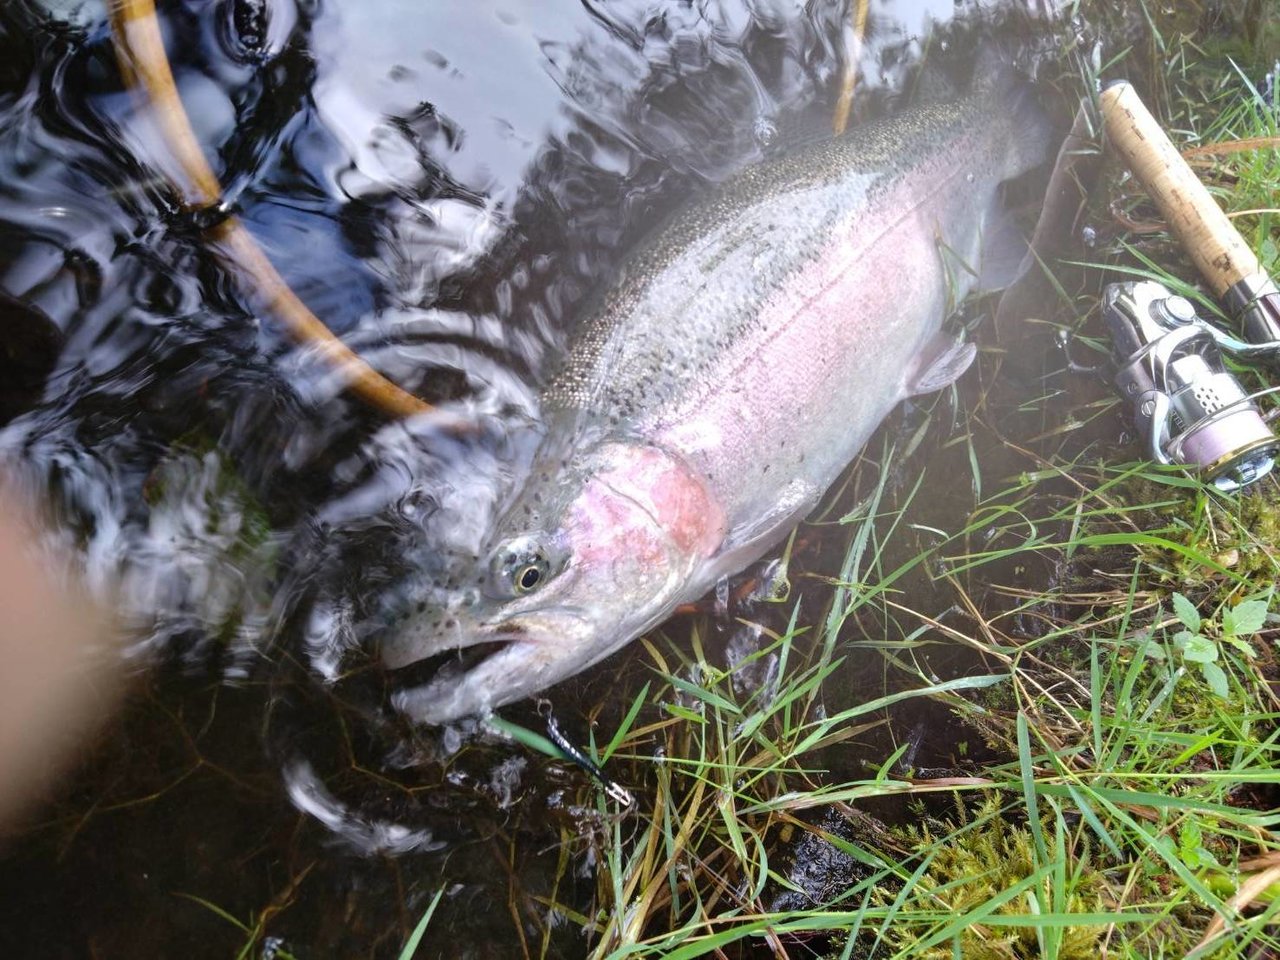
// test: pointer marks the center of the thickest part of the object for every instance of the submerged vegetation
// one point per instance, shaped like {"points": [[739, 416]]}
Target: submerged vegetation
{"points": [[1097, 702]]}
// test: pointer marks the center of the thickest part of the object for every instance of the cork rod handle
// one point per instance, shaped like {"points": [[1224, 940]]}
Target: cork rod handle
{"points": [[1219, 252]]}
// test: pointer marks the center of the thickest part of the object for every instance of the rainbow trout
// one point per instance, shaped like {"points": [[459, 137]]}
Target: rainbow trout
{"points": [[739, 362]]}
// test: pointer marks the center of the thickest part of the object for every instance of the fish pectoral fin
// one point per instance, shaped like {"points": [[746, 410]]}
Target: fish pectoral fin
{"points": [[941, 365], [746, 543]]}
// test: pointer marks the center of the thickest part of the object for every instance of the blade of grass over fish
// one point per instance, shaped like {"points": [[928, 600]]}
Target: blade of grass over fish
{"points": [[524, 736], [415, 938], [852, 562]]}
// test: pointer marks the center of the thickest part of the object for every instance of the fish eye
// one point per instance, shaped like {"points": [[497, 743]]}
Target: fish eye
{"points": [[520, 566], [527, 578]]}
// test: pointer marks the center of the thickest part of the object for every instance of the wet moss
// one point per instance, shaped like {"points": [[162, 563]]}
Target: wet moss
{"points": [[974, 859], [1238, 534]]}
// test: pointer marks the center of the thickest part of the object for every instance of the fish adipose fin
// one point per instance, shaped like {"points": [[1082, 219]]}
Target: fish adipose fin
{"points": [[941, 364]]}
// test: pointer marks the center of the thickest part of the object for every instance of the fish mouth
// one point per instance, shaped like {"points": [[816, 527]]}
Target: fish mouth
{"points": [[496, 665], [456, 659], [402, 647], [451, 666]]}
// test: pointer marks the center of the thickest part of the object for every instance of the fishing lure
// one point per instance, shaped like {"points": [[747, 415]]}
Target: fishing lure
{"points": [[571, 752]]}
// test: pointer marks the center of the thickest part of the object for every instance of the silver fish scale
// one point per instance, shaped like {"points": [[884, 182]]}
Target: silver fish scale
{"points": [[689, 294]]}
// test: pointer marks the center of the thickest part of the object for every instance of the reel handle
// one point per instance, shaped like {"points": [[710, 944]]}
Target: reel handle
{"points": [[1213, 243]]}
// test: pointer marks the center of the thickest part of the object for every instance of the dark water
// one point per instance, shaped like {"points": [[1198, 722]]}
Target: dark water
{"points": [[442, 184]]}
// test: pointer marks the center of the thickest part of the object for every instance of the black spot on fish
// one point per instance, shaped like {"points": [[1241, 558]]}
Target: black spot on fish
{"points": [[422, 606]]}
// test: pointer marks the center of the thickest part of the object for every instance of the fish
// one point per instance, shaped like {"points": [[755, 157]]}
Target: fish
{"points": [[736, 364]]}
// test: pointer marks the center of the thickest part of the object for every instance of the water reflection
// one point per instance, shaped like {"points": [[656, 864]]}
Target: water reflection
{"points": [[448, 239], [443, 185]]}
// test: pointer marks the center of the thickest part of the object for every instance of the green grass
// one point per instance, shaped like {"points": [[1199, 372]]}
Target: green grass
{"points": [[1115, 755], [1118, 814], [415, 939]]}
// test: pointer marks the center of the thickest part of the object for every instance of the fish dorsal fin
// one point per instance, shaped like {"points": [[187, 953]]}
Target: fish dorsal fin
{"points": [[941, 365], [1005, 255]]}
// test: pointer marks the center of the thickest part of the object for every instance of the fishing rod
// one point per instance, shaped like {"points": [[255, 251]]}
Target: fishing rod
{"points": [[145, 67], [1169, 360], [1222, 256]]}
